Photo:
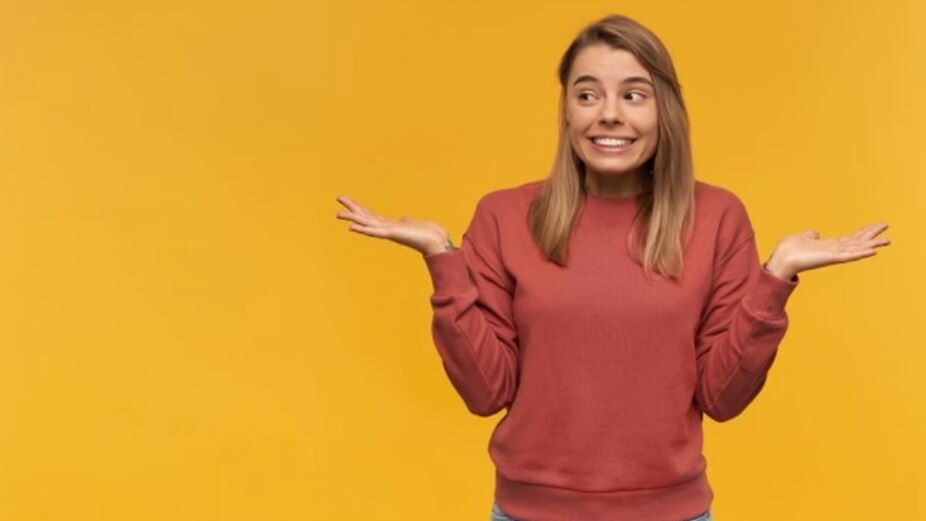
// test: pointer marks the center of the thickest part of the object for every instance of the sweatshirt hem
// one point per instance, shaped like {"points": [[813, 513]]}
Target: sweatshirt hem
{"points": [[536, 502]]}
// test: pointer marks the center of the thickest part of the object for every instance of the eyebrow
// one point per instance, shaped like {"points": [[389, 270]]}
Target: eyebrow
{"points": [[631, 79]]}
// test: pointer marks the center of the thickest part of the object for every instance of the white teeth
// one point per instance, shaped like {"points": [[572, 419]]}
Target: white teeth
{"points": [[612, 142]]}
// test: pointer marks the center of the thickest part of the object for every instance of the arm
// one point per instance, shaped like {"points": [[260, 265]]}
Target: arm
{"points": [[742, 324], [472, 322]]}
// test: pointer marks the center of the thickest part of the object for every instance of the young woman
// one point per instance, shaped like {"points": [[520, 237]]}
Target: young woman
{"points": [[611, 305]]}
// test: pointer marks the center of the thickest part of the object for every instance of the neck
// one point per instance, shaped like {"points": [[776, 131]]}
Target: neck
{"points": [[616, 185]]}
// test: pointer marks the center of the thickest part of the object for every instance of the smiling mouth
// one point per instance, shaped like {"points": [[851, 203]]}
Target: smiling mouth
{"points": [[612, 144]]}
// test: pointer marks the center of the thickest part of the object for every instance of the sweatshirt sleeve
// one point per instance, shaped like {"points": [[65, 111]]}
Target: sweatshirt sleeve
{"points": [[472, 324], [742, 323]]}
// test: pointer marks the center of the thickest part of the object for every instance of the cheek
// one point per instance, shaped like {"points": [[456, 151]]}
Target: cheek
{"points": [[577, 143], [653, 132], [653, 123], [576, 130], [651, 129]]}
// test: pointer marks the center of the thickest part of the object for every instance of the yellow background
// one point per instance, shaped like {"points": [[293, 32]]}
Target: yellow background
{"points": [[188, 333]]}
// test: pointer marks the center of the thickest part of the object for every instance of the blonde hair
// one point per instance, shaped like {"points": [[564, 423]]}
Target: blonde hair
{"points": [[664, 218]]}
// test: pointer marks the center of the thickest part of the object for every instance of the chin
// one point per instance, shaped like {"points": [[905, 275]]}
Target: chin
{"points": [[613, 171], [614, 167]]}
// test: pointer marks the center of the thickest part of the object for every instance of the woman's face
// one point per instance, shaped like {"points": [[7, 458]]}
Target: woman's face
{"points": [[609, 94]]}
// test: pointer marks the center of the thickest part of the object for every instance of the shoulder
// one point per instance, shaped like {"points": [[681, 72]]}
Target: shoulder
{"points": [[514, 194], [715, 198], [503, 210], [722, 211], [718, 204], [510, 199]]}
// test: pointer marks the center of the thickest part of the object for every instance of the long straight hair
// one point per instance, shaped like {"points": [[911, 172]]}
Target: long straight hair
{"points": [[663, 222]]}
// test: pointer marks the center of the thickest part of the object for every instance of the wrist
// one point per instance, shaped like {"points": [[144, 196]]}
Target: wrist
{"points": [[779, 269], [443, 247]]}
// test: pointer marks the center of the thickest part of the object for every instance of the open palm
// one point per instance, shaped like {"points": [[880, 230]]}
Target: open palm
{"points": [[424, 236], [807, 250]]}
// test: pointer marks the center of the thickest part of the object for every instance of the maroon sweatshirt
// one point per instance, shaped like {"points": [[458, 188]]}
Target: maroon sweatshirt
{"points": [[604, 375]]}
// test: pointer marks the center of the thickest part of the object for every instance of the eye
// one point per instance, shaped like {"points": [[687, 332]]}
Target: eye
{"points": [[642, 96], [586, 93]]}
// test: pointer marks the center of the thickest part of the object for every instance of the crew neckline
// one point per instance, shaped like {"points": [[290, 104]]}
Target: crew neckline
{"points": [[612, 199]]}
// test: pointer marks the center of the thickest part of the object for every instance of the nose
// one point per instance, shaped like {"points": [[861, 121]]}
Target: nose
{"points": [[611, 112]]}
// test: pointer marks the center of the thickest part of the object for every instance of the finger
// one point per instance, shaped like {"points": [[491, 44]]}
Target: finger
{"points": [[856, 247], [363, 219], [883, 241], [869, 243], [860, 234], [347, 216], [849, 256], [870, 231], [368, 230], [879, 230], [354, 206]]}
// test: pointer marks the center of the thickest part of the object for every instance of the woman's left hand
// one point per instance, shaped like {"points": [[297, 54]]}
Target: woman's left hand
{"points": [[806, 250]]}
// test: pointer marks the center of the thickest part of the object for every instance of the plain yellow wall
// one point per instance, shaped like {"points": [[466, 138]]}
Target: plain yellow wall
{"points": [[188, 333]]}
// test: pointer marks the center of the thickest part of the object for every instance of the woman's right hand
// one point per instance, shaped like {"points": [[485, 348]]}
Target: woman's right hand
{"points": [[424, 236]]}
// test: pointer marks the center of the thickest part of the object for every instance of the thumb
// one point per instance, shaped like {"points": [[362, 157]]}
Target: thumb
{"points": [[813, 234]]}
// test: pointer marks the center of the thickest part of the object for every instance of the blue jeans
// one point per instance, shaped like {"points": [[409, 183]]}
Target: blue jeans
{"points": [[498, 515]]}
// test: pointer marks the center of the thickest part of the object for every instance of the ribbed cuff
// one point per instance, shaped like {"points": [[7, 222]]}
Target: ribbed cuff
{"points": [[448, 271], [771, 293]]}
